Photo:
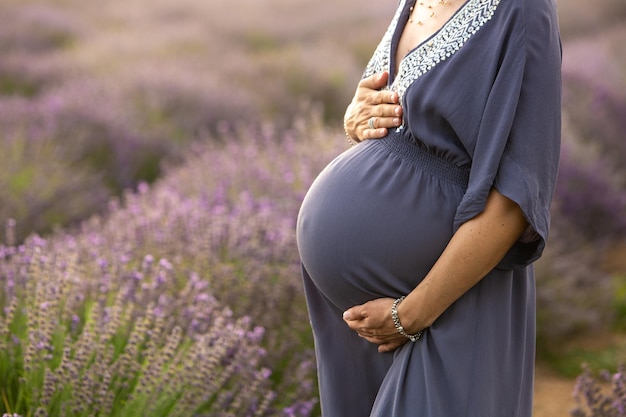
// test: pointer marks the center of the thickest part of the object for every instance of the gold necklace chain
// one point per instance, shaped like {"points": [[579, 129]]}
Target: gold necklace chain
{"points": [[429, 8]]}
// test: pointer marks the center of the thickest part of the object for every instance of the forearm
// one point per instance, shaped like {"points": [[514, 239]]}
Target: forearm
{"points": [[474, 250]]}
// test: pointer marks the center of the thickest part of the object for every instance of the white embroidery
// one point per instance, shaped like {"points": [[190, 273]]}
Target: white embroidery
{"points": [[452, 36]]}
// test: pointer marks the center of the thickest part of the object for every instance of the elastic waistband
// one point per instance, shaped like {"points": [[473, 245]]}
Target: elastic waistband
{"points": [[397, 144]]}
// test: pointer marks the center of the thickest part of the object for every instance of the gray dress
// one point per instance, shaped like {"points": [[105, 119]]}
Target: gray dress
{"points": [[481, 101]]}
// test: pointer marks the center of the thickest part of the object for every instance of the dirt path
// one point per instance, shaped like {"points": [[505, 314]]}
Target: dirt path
{"points": [[553, 394]]}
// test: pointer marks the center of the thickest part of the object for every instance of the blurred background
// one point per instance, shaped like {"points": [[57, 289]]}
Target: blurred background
{"points": [[105, 102]]}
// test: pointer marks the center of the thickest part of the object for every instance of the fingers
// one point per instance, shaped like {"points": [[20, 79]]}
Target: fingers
{"points": [[389, 347], [374, 133], [354, 314], [384, 344], [383, 117], [381, 127], [387, 111], [387, 98], [376, 81], [373, 90], [379, 122]]}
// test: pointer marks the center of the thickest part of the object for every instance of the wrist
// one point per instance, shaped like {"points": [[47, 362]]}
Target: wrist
{"points": [[416, 311], [413, 336], [351, 139]]}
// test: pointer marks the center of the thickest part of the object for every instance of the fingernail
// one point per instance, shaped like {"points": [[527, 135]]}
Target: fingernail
{"points": [[346, 315]]}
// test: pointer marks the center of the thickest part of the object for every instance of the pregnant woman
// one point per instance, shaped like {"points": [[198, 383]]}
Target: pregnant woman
{"points": [[417, 246]]}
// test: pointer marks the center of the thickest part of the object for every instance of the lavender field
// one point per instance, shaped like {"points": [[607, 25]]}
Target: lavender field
{"points": [[154, 156]]}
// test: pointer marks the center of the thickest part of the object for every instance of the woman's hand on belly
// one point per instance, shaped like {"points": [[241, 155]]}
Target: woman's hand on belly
{"points": [[371, 101], [372, 321]]}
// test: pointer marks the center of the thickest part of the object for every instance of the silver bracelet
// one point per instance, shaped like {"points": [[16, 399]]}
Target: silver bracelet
{"points": [[396, 321]]}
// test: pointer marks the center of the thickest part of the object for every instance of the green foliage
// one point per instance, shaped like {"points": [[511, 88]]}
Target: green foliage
{"points": [[260, 42], [619, 303], [41, 188], [13, 86], [567, 361], [601, 347]]}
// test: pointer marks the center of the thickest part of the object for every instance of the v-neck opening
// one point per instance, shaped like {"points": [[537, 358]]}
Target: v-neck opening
{"points": [[394, 64]]}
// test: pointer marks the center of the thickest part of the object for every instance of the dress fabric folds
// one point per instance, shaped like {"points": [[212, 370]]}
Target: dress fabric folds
{"points": [[481, 101]]}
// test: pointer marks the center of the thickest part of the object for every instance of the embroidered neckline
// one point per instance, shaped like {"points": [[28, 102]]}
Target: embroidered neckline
{"points": [[466, 22]]}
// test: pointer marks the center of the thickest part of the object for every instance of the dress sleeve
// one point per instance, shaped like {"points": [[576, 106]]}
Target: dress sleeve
{"points": [[518, 143]]}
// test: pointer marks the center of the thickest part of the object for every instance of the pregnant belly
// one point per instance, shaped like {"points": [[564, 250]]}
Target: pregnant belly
{"points": [[373, 223]]}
